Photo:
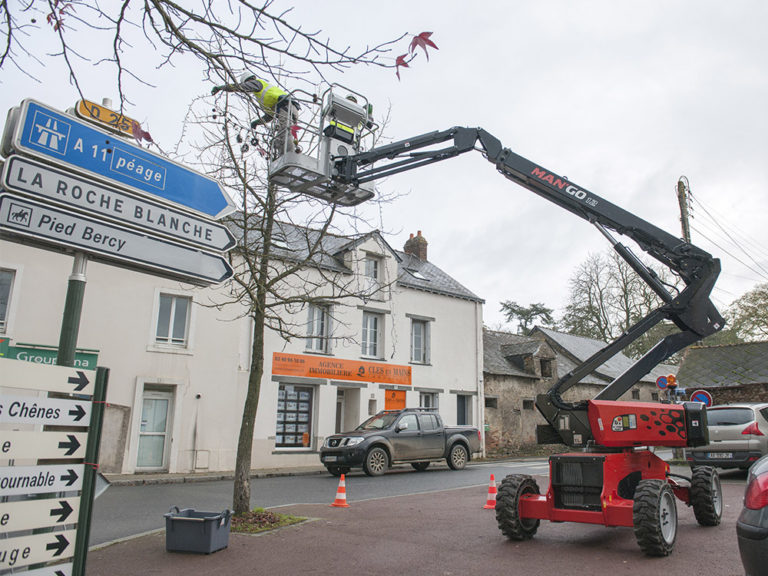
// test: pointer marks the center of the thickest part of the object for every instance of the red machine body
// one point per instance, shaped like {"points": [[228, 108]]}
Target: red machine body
{"points": [[625, 424], [596, 488]]}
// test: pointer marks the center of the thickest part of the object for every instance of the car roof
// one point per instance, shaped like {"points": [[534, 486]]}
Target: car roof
{"points": [[755, 405]]}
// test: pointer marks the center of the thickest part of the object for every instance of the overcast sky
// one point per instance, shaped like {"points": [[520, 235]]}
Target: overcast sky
{"points": [[621, 97]]}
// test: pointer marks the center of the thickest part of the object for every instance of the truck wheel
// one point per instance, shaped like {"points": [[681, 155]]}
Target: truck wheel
{"points": [[508, 507], [654, 516], [706, 496], [376, 461], [457, 457], [420, 466]]}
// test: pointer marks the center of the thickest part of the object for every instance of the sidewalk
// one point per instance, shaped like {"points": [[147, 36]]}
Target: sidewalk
{"points": [[141, 479]]}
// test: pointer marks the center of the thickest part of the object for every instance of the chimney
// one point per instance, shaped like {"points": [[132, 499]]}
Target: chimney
{"points": [[416, 246]]}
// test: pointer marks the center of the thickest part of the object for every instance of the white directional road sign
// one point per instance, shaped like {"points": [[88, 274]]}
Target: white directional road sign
{"points": [[17, 480], [31, 514], [36, 549], [48, 411], [15, 445], [64, 140], [63, 227], [32, 177], [55, 570], [15, 374]]}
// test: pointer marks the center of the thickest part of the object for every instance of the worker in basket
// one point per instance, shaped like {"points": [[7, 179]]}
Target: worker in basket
{"points": [[275, 103]]}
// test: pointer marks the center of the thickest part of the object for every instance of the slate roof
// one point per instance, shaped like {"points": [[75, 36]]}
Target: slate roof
{"points": [[498, 346], [298, 241], [581, 348], [732, 365]]}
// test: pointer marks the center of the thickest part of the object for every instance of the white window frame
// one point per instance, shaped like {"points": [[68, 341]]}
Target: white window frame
{"points": [[161, 346], [318, 328], [420, 354], [9, 305], [372, 267], [372, 349]]}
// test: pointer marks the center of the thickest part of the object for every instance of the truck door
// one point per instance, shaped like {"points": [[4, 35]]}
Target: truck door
{"points": [[406, 440], [432, 436]]}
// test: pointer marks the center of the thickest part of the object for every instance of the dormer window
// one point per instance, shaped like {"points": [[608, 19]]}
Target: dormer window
{"points": [[372, 267]]}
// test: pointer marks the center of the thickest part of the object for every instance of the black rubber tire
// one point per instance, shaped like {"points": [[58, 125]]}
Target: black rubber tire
{"points": [[508, 510], [337, 470], [654, 515], [707, 496], [457, 457], [376, 461], [420, 466]]}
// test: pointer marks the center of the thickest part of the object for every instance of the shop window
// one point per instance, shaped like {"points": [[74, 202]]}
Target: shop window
{"points": [[428, 400], [294, 416]]}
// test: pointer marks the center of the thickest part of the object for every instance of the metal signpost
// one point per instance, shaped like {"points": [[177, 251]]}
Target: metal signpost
{"points": [[63, 493]]}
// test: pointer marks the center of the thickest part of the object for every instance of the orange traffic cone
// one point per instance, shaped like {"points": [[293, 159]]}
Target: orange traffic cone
{"points": [[490, 504], [341, 495]]}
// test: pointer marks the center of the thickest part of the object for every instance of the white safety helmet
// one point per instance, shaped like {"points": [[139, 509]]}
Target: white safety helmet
{"points": [[245, 76]]}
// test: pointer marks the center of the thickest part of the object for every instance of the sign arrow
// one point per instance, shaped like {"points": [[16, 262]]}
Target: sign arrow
{"points": [[34, 549], [70, 477], [46, 411], [60, 545], [77, 413], [31, 376], [63, 512], [80, 381], [70, 446]]}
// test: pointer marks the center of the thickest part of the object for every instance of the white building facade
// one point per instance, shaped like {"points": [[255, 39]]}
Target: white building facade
{"points": [[179, 367]]}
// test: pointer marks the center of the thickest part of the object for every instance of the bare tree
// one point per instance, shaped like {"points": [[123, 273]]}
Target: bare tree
{"points": [[606, 297], [225, 37], [748, 315], [124, 40]]}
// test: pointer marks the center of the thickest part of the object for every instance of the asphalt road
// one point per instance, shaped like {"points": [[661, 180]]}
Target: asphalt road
{"points": [[431, 530], [124, 511]]}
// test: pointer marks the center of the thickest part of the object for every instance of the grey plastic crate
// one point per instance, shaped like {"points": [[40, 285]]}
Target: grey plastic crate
{"points": [[202, 532]]}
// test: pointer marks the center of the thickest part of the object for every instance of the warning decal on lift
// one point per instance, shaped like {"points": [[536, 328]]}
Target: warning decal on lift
{"points": [[624, 422]]}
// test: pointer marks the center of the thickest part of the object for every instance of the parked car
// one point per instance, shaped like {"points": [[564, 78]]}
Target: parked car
{"points": [[752, 525], [738, 436], [413, 435]]}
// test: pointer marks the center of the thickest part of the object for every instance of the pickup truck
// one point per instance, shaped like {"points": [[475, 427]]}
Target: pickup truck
{"points": [[413, 435]]}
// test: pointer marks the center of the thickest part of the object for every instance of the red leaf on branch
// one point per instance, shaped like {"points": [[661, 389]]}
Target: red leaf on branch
{"points": [[422, 41], [400, 61], [139, 133]]}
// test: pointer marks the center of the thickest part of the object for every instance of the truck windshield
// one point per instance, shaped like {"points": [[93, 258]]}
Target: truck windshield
{"points": [[378, 422]]}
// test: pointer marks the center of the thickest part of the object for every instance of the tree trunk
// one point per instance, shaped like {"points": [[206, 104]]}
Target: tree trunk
{"points": [[241, 498]]}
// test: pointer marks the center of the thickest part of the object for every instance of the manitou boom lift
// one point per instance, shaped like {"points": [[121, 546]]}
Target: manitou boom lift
{"points": [[614, 480]]}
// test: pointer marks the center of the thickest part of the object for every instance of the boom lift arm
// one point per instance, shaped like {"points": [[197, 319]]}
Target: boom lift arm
{"points": [[691, 309]]}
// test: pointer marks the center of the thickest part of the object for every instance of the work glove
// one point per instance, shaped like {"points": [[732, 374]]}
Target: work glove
{"points": [[215, 89]]}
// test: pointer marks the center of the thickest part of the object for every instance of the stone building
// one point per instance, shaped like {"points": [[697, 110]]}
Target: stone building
{"points": [[517, 368]]}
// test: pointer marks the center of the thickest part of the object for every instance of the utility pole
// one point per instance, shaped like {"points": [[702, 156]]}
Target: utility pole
{"points": [[683, 192]]}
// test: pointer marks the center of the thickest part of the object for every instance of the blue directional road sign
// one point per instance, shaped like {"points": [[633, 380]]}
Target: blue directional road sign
{"points": [[64, 140]]}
